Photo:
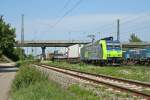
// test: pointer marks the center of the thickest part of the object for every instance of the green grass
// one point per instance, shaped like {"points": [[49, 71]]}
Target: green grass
{"points": [[52, 91], [27, 76], [140, 73], [26, 62], [31, 84]]}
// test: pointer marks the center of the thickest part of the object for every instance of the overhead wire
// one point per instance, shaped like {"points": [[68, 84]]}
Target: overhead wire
{"points": [[107, 26], [61, 10], [136, 24], [66, 13], [124, 21], [136, 17], [143, 27], [138, 20], [65, 6]]}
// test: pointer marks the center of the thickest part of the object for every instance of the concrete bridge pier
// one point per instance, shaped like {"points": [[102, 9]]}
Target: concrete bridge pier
{"points": [[43, 53]]}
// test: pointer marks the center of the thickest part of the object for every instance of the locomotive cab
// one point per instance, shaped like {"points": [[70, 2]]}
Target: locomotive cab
{"points": [[112, 51]]}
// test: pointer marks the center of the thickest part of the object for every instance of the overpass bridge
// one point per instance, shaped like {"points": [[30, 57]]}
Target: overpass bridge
{"points": [[135, 44], [49, 43], [66, 43]]}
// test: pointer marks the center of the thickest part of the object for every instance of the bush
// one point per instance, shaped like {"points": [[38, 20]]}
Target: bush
{"points": [[27, 76], [31, 84], [43, 90]]}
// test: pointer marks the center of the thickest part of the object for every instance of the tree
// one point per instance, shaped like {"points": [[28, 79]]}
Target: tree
{"points": [[134, 38], [7, 38], [30, 57], [18, 54]]}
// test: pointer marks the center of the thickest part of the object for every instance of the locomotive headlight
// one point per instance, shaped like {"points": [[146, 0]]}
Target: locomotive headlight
{"points": [[119, 55]]}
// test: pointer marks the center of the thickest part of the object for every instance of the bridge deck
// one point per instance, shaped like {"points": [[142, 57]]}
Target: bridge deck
{"points": [[66, 43], [50, 43]]}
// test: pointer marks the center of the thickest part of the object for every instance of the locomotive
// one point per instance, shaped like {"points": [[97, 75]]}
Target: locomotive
{"points": [[138, 56], [102, 52]]}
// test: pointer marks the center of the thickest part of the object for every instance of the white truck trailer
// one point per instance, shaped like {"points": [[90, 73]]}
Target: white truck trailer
{"points": [[73, 53]]}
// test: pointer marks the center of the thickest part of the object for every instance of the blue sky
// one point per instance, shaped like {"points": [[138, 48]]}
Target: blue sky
{"points": [[89, 17]]}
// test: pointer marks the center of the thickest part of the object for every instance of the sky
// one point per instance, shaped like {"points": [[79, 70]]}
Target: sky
{"points": [[98, 17]]}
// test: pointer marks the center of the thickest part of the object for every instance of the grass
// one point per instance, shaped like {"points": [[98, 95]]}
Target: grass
{"points": [[51, 91], [26, 62], [27, 76], [140, 73], [31, 84]]}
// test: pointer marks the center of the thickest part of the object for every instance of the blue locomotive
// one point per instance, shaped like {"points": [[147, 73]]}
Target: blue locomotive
{"points": [[137, 56]]}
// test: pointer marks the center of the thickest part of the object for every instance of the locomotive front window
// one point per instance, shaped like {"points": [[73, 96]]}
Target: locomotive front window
{"points": [[109, 47], [117, 47], [113, 47]]}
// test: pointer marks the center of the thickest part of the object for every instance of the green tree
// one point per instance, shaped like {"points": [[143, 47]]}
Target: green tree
{"points": [[18, 54], [7, 38], [30, 57], [134, 38]]}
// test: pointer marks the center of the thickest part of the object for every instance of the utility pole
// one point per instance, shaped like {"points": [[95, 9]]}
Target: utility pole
{"points": [[118, 30], [22, 29], [22, 36]]}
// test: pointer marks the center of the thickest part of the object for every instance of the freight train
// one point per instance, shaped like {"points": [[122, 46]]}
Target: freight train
{"points": [[103, 52], [107, 51]]}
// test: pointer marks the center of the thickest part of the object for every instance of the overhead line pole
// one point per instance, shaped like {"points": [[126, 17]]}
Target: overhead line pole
{"points": [[118, 30], [22, 29], [22, 36]]}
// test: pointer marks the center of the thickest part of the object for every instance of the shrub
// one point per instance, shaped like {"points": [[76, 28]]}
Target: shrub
{"points": [[26, 76]]}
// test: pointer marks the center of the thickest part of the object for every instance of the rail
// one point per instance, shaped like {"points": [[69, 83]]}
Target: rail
{"points": [[121, 88]]}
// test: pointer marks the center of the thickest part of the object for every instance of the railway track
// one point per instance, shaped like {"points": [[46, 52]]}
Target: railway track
{"points": [[134, 87]]}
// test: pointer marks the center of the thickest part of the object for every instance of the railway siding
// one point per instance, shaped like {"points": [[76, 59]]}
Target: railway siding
{"points": [[138, 73], [79, 81]]}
